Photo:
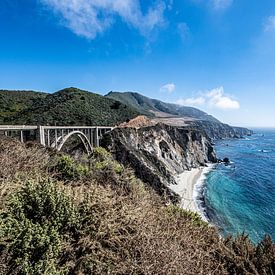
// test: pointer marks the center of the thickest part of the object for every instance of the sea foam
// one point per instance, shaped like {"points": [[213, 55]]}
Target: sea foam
{"points": [[199, 192]]}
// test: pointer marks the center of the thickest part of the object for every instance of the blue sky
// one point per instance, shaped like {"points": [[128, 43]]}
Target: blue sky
{"points": [[217, 55]]}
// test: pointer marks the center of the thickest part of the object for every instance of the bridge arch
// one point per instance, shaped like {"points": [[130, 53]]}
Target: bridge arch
{"points": [[62, 140]]}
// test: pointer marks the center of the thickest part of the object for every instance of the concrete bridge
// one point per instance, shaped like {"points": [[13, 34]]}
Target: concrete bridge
{"points": [[56, 136]]}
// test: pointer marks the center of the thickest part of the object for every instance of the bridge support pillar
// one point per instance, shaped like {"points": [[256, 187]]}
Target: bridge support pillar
{"points": [[41, 135], [96, 137], [21, 136]]}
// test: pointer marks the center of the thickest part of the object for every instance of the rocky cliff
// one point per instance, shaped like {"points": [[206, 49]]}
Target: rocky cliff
{"points": [[158, 153], [220, 130]]}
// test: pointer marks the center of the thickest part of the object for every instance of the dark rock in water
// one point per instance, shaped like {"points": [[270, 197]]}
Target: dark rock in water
{"points": [[158, 153], [226, 160]]}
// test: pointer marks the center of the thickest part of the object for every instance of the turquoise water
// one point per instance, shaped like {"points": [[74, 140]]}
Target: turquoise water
{"points": [[241, 197]]}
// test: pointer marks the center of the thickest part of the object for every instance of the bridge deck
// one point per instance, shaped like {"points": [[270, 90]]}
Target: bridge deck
{"points": [[56, 136], [31, 127]]}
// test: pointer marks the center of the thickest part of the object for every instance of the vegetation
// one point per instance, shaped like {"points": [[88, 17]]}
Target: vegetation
{"points": [[67, 107], [35, 222], [57, 219], [13, 102], [151, 107], [67, 168]]}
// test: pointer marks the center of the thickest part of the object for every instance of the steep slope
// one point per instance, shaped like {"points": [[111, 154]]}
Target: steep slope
{"points": [[95, 217], [151, 106], [220, 130], [13, 102], [159, 153], [176, 115], [72, 106]]}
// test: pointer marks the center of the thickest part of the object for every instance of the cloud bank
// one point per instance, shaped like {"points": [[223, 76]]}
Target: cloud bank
{"points": [[88, 18], [215, 5], [168, 88], [269, 24], [184, 31], [212, 99], [221, 4]]}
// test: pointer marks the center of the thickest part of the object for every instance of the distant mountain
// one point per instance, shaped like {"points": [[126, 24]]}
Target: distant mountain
{"points": [[70, 106], [13, 102], [152, 107], [177, 115]]}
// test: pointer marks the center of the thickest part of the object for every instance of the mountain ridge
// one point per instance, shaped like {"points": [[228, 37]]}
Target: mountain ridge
{"points": [[148, 105], [73, 106], [176, 115]]}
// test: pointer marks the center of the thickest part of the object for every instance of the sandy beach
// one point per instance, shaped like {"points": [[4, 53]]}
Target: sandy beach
{"points": [[185, 188]]}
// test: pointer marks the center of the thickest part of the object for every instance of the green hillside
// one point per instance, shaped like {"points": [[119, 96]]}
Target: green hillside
{"points": [[13, 102], [72, 106], [147, 105]]}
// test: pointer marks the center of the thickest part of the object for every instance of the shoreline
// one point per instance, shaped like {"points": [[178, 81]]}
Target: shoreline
{"points": [[190, 188]]}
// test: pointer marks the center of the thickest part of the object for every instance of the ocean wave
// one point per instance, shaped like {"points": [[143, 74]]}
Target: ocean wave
{"points": [[264, 151], [199, 192]]}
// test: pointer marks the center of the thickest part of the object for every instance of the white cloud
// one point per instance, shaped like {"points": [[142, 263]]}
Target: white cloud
{"points": [[88, 18], [212, 99], [168, 88], [269, 24], [216, 5], [184, 31], [217, 99], [221, 4]]}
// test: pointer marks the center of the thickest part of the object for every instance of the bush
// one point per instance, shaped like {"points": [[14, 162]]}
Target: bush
{"points": [[103, 160], [186, 215], [34, 225], [67, 168], [240, 256]]}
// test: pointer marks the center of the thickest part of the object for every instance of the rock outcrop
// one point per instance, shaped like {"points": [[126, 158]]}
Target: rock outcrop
{"points": [[219, 130], [158, 153]]}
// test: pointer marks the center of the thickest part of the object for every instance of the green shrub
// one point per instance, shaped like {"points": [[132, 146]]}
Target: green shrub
{"points": [[100, 153], [187, 215], [101, 165], [67, 168], [103, 160], [36, 221]]}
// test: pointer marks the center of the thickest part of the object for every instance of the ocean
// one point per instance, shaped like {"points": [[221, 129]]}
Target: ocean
{"points": [[240, 198]]}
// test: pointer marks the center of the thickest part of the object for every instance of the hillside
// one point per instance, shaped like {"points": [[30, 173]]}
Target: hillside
{"points": [[152, 107], [72, 106], [59, 216], [13, 102], [176, 115]]}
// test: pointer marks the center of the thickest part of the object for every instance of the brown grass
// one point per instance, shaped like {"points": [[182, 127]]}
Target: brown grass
{"points": [[127, 229]]}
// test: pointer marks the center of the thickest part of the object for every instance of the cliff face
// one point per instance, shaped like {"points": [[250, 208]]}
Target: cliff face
{"points": [[158, 153], [220, 130]]}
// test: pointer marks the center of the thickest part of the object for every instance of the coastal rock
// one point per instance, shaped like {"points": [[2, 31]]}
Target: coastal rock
{"points": [[158, 153], [218, 130]]}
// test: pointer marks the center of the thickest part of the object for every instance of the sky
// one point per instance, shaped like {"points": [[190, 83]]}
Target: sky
{"points": [[216, 55]]}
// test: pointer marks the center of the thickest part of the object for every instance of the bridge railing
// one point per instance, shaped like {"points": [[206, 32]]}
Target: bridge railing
{"points": [[53, 136]]}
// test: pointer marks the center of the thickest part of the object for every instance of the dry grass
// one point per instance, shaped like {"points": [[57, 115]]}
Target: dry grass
{"points": [[125, 228]]}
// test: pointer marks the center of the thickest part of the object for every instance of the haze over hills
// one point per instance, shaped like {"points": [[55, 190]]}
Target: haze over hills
{"points": [[72, 106], [154, 107]]}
